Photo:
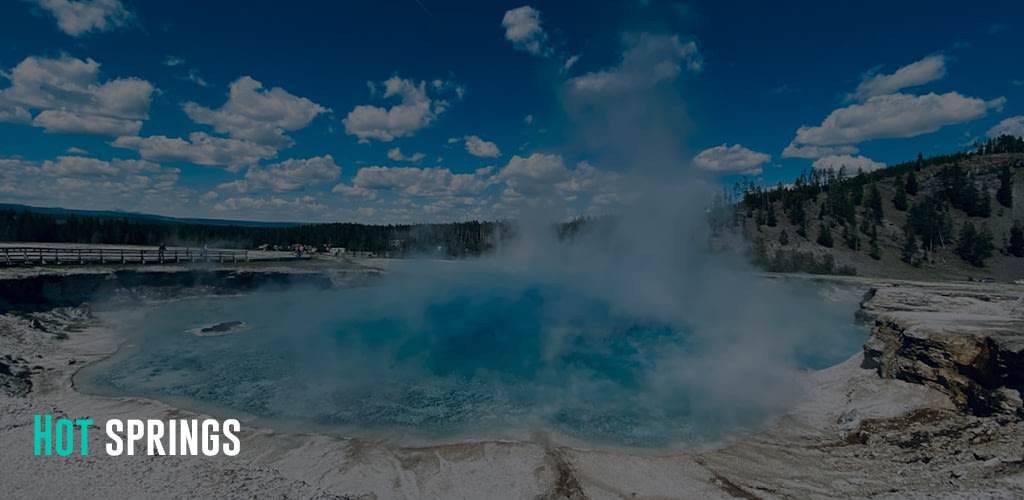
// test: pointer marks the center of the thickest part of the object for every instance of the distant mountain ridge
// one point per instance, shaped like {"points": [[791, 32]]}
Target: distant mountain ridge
{"points": [[59, 211]]}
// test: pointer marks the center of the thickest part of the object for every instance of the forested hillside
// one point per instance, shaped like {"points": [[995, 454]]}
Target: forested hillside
{"points": [[949, 215]]}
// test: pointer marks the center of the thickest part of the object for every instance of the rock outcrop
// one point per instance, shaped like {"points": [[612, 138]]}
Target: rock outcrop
{"points": [[975, 357]]}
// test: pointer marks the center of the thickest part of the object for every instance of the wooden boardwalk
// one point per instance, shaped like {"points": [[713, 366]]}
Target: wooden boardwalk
{"points": [[39, 256]]}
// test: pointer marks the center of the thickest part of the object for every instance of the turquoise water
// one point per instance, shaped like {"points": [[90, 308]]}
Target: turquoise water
{"points": [[443, 360]]}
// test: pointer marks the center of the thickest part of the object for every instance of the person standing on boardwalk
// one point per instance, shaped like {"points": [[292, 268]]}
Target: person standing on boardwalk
{"points": [[161, 251]]}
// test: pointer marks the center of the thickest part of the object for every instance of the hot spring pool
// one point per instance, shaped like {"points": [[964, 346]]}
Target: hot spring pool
{"points": [[450, 360]]}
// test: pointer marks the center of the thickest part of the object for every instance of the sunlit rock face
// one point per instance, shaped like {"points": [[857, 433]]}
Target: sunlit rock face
{"points": [[973, 355]]}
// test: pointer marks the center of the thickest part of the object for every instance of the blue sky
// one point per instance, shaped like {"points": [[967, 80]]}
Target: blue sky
{"points": [[430, 110]]}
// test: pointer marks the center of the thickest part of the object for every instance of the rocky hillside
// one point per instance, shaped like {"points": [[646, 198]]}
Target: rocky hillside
{"points": [[957, 216]]}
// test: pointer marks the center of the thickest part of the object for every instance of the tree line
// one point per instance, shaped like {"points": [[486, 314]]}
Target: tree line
{"points": [[456, 239]]}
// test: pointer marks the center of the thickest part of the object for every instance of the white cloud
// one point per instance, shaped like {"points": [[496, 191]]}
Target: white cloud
{"points": [[852, 163], [1013, 125], [258, 115], [63, 122], [522, 28], [528, 119], [412, 182], [79, 17], [193, 76], [647, 60], [275, 207], [415, 111], [570, 62], [82, 165], [200, 149], [354, 192], [534, 175], [395, 154], [815, 152], [926, 70], [481, 148], [731, 159], [70, 99], [893, 116], [172, 61], [289, 175], [91, 183]]}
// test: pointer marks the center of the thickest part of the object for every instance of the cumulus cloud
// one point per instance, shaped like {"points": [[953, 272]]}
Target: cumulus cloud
{"points": [[893, 116], [258, 115], [82, 165], [731, 159], [544, 180], [200, 148], [481, 148], [70, 99], [415, 111], [411, 182], [1013, 125], [91, 183], [814, 152], [523, 29], [289, 175], [274, 207], [395, 154], [79, 17], [648, 59], [926, 70], [534, 175], [852, 163]]}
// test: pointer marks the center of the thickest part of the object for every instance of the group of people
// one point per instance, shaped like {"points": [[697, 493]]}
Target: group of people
{"points": [[204, 252]]}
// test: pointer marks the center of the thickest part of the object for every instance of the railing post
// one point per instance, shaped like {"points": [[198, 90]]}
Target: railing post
{"points": [[80, 256], [247, 256], [122, 256]]}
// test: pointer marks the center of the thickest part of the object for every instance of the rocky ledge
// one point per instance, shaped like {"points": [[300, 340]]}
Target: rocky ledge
{"points": [[967, 344], [45, 288]]}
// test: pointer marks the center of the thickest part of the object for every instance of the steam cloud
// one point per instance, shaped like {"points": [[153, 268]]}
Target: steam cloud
{"points": [[633, 333]]}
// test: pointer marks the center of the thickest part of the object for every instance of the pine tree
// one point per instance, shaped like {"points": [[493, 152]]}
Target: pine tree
{"points": [[1004, 195], [911, 186], [825, 236], [974, 246], [909, 251], [873, 250], [783, 238], [984, 207], [875, 204], [899, 200], [850, 237], [1016, 243], [857, 194], [772, 220], [865, 223]]}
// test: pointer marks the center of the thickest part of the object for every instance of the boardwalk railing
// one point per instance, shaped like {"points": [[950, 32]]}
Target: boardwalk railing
{"points": [[37, 256]]}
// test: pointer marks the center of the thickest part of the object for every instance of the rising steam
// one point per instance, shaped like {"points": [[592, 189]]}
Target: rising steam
{"points": [[632, 332]]}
